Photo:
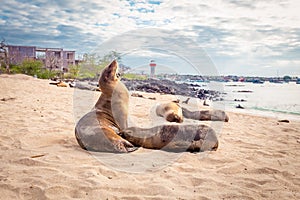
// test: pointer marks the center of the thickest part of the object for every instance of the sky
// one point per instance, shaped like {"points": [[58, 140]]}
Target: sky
{"points": [[225, 37]]}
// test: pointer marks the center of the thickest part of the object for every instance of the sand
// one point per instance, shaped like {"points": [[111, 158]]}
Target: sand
{"points": [[258, 157]]}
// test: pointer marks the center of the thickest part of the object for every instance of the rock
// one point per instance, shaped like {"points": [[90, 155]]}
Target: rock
{"points": [[85, 86], [284, 120], [137, 95], [245, 91], [239, 106], [170, 87]]}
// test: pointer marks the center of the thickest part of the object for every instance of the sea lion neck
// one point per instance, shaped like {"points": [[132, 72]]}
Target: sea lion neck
{"points": [[108, 78]]}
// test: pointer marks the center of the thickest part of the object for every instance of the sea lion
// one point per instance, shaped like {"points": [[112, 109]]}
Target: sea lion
{"points": [[205, 103], [176, 138], [114, 99], [97, 130], [187, 100], [172, 112], [61, 84], [105, 129], [213, 115]]}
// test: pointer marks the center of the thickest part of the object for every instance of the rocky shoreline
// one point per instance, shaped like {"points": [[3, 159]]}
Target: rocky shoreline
{"points": [[159, 86], [172, 87]]}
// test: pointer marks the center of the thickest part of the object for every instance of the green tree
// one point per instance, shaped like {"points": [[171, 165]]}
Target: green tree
{"points": [[113, 55], [88, 66], [92, 64], [73, 71]]}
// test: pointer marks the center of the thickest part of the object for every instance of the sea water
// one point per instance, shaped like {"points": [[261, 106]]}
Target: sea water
{"points": [[268, 99]]}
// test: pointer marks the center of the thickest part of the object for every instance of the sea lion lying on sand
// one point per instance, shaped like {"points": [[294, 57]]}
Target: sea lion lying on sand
{"points": [[59, 84], [102, 128], [177, 138], [213, 115], [62, 84], [173, 112]]}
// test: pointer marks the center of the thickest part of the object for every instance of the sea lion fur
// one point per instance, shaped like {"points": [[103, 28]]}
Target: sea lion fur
{"points": [[175, 138], [171, 111], [97, 130], [212, 115]]}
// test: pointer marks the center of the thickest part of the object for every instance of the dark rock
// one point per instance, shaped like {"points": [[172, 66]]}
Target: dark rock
{"points": [[239, 106], [137, 95], [245, 91], [170, 87], [284, 120], [84, 86]]}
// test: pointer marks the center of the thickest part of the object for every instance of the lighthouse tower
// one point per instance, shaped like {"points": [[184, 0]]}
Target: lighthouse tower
{"points": [[152, 65]]}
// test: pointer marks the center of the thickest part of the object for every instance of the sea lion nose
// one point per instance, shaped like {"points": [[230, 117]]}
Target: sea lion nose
{"points": [[118, 75]]}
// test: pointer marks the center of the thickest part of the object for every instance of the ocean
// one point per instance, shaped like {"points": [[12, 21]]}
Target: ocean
{"points": [[279, 100]]}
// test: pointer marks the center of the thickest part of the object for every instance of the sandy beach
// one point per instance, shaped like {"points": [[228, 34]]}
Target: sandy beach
{"points": [[258, 157]]}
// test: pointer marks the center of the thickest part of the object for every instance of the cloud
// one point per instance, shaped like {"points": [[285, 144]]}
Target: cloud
{"points": [[231, 32]]}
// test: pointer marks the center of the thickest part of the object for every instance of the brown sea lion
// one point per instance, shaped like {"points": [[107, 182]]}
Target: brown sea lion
{"points": [[97, 130], [61, 84], [176, 138], [102, 128], [171, 111], [94, 134], [213, 115]]}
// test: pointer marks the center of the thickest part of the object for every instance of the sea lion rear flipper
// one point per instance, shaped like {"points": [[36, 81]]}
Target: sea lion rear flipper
{"points": [[125, 146]]}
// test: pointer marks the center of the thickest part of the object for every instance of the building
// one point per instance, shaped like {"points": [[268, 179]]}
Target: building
{"points": [[16, 54], [53, 58], [152, 65], [56, 58]]}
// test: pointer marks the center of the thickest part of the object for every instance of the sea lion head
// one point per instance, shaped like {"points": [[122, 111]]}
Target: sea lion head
{"points": [[174, 117], [109, 76]]}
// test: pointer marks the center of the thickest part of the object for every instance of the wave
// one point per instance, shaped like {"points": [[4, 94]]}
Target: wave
{"points": [[276, 110]]}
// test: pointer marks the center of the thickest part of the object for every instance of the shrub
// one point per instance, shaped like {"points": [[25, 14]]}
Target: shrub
{"points": [[15, 69], [31, 67], [46, 74], [134, 76]]}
